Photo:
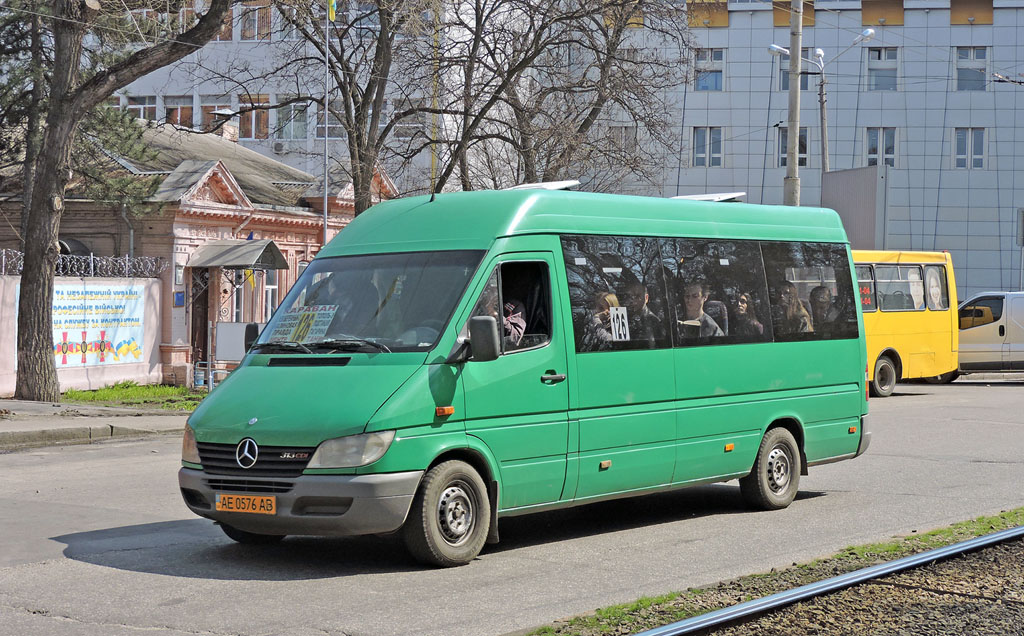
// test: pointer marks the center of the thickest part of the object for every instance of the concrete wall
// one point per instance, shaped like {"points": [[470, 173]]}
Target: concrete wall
{"points": [[147, 370]]}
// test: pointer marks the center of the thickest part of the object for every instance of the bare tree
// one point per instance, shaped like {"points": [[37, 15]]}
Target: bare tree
{"points": [[94, 54]]}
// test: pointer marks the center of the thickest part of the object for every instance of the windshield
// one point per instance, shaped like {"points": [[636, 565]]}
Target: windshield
{"points": [[377, 302]]}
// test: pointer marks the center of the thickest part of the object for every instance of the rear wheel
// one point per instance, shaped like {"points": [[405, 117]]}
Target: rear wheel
{"points": [[885, 377], [775, 479], [250, 538], [450, 516]]}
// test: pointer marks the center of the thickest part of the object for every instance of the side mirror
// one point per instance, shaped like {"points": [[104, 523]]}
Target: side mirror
{"points": [[483, 338], [252, 331]]}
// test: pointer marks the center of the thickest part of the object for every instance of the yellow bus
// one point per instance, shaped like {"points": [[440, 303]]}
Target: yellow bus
{"points": [[910, 315]]}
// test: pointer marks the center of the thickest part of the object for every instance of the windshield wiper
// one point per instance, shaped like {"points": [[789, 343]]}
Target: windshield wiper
{"points": [[346, 341], [282, 346]]}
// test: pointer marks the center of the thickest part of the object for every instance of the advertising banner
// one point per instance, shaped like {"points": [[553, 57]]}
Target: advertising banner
{"points": [[97, 325]]}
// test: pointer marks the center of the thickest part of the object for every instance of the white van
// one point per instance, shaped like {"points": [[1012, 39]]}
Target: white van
{"points": [[992, 332]]}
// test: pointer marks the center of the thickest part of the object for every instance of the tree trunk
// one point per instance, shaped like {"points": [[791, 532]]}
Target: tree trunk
{"points": [[34, 130]]}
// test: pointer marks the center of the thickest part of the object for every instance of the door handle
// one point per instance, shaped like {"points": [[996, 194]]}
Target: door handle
{"points": [[1002, 330], [552, 378]]}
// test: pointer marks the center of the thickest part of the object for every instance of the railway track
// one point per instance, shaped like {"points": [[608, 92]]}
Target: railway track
{"points": [[919, 591]]}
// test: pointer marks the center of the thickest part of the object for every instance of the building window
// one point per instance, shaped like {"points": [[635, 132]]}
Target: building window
{"points": [[801, 150], [288, 17], [624, 138], [143, 107], [334, 128], [707, 146], [881, 146], [210, 103], [291, 121], [784, 72], [269, 293], [238, 299], [225, 35], [883, 64], [414, 125], [254, 23], [253, 124], [710, 66], [969, 148], [178, 111], [971, 66]]}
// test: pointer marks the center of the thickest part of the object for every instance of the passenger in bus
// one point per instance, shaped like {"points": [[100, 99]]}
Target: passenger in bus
{"points": [[598, 330], [790, 315], [644, 324], [916, 288], [694, 322], [746, 323], [823, 312], [933, 282]]}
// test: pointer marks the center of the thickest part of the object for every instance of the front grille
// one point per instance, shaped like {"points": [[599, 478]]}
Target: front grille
{"points": [[245, 485], [219, 459]]}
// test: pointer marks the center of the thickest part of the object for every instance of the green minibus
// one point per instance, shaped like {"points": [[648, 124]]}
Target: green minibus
{"points": [[448, 361]]}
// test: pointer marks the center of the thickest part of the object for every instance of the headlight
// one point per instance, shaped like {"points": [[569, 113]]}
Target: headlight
{"points": [[351, 451], [189, 449]]}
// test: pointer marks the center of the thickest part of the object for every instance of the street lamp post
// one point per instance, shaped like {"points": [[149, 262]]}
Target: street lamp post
{"points": [[819, 62]]}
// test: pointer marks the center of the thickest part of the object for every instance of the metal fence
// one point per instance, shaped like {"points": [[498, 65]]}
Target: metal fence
{"points": [[12, 262]]}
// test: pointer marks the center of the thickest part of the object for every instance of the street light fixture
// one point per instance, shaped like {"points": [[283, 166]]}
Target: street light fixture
{"points": [[819, 61]]}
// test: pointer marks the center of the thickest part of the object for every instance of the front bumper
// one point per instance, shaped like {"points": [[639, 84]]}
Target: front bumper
{"points": [[337, 505]]}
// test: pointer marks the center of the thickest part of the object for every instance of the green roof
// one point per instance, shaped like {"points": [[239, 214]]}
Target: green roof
{"points": [[473, 220]]}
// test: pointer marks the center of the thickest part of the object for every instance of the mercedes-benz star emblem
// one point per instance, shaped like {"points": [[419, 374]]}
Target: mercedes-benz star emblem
{"points": [[247, 452]]}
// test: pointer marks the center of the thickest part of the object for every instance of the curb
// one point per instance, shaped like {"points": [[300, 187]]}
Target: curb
{"points": [[17, 440]]}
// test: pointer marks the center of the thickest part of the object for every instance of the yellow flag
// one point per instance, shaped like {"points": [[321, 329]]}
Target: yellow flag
{"points": [[331, 8]]}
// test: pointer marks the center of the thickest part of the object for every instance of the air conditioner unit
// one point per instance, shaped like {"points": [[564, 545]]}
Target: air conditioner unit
{"points": [[279, 147]]}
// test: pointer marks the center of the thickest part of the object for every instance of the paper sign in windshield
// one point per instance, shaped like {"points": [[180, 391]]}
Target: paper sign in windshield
{"points": [[304, 323], [619, 323]]}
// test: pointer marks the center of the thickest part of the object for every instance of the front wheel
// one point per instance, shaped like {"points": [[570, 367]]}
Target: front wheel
{"points": [[450, 516], [885, 377], [775, 479]]}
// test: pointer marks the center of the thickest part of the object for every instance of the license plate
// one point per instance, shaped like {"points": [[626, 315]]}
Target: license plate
{"points": [[247, 503]]}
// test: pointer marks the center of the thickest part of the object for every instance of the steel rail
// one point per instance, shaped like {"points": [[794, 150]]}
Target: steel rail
{"points": [[762, 605]]}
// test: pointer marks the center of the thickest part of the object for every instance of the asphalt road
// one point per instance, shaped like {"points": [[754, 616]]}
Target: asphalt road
{"points": [[94, 540]]}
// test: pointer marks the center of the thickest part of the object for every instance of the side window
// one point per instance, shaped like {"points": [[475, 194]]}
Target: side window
{"points": [[811, 291], [518, 295], [717, 292], [983, 311], [936, 292], [866, 287], [617, 293], [900, 287]]}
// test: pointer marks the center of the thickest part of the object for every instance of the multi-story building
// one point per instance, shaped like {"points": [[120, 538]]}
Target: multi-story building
{"points": [[931, 101], [929, 104]]}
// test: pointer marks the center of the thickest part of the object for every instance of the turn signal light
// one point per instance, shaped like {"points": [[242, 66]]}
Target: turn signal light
{"points": [[853, 429], [444, 411], [729, 447]]}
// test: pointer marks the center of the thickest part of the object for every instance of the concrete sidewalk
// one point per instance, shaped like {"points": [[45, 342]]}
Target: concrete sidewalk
{"points": [[26, 424]]}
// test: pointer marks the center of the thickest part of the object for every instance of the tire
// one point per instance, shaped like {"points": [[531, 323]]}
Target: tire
{"points": [[945, 378], [775, 479], [250, 538], [885, 377], [450, 516]]}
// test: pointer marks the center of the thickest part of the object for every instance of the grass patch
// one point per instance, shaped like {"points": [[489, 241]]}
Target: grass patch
{"points": [[651, 612], [130, 394]]}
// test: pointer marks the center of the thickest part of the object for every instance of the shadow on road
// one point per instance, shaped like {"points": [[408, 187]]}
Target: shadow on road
{"points": [[195, 548]]}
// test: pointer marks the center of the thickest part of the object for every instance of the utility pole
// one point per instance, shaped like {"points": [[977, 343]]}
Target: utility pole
{"points": [[824, 124], [791, 185]]}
